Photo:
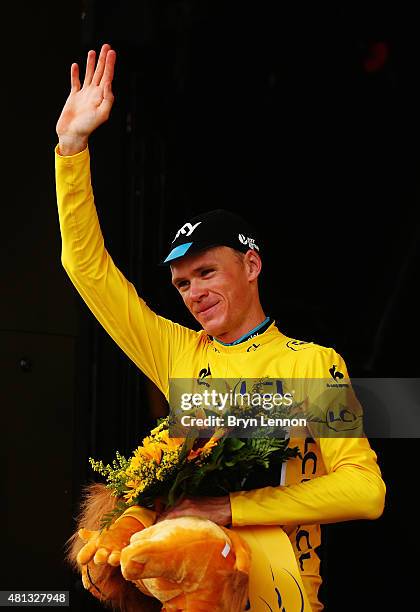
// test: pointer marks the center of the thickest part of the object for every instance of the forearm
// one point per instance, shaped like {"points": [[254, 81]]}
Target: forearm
{"points": [[349, 493], [83, 249]]}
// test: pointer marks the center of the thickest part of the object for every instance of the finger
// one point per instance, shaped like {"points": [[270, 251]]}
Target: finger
{"points": [[86, 553], [108, 73], [100, 66], [74, 77], [114, 558], [108, 95], [107, 100], [90, 68], [101, 556]]}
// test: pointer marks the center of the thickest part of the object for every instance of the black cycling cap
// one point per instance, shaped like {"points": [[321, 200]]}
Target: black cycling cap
{"points": [[214, 228]]}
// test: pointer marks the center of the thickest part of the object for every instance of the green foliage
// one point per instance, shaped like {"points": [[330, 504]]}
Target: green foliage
{"points": [[233, 460]]}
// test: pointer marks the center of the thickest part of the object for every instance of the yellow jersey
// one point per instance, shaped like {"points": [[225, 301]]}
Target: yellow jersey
{"points": [[334, 479]]}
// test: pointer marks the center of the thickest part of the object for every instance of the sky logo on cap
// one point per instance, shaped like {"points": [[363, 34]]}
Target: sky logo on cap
{"points": [[187, 229]]}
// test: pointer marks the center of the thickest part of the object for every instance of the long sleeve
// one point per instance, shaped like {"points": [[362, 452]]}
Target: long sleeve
{"points": [[150, 341], [351, 488]]}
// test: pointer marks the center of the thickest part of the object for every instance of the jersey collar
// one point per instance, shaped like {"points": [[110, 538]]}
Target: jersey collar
{"points": [[256, 331]]}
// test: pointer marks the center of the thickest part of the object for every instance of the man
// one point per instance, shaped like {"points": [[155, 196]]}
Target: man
{"points": [[215, 264]]}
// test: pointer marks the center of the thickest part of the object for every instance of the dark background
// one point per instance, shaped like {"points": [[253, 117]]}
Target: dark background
{"points": [[302, 118]]}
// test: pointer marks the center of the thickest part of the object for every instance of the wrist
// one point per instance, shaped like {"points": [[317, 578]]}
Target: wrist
{"points": [[228, 512], [223, 510], [70, 145]]}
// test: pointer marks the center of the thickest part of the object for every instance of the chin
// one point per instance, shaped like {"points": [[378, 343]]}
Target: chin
{"points": [[213, 328]]}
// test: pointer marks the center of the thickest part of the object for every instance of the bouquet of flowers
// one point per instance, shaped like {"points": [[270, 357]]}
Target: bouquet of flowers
{"points": [[163, 470]]}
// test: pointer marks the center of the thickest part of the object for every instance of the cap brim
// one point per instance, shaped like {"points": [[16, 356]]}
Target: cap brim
{"points": [[177, 252]]}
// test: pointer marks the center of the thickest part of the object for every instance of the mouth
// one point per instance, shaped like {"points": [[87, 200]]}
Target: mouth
{"points": [[206, 310]]}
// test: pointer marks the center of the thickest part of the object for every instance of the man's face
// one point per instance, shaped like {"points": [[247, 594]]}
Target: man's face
{"points": [[216, 288]]}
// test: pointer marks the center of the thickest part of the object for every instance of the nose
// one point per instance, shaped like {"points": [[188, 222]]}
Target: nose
{"points": [[197, 290]]}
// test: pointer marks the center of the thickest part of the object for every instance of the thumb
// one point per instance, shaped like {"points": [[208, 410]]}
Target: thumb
{"points": [[86, 534]]}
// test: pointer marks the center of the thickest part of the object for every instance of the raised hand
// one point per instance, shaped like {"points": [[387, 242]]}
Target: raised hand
{"points": [[89, 105]]}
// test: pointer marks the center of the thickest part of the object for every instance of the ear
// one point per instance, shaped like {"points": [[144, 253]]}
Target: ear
{"points": [[253, 264]]}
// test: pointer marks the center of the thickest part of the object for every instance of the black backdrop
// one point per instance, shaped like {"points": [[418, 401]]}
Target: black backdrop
{"points": [[305, 120]]}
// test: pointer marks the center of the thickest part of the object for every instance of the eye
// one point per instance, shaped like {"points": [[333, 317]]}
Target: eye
{"points": [[182, 285], [207, 271]]}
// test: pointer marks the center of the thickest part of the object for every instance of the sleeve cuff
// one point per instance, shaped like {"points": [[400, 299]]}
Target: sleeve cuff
{"points": [[143, 515], [236, 504], [70, 159]]}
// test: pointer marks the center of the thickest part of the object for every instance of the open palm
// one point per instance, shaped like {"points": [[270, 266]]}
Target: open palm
{"points": [[88, 106]]}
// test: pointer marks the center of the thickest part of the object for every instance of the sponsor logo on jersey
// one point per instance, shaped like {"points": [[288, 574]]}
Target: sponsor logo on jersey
{"points": [[341, 418], [298, 345], [336, 374], [309, 467], [210, 340], [203, 374], [249, 241], [253, 347]]}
